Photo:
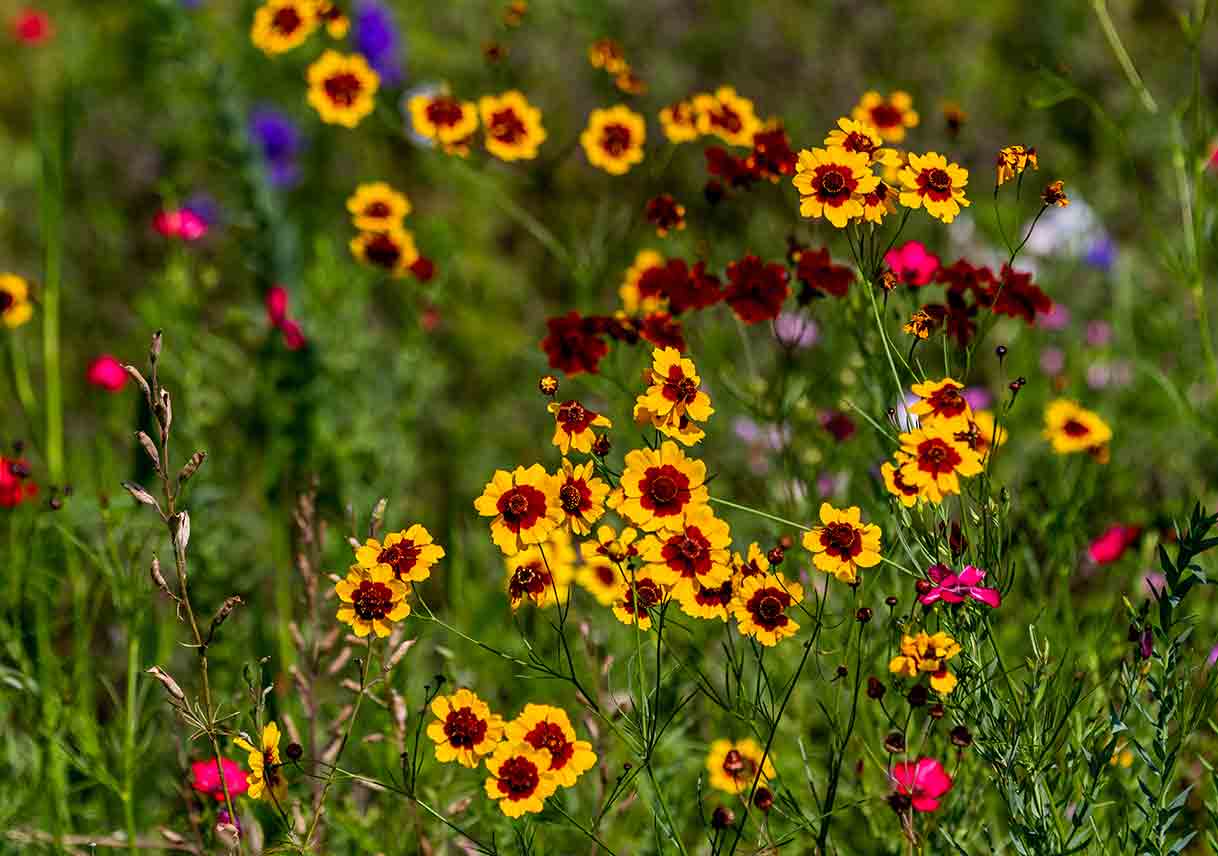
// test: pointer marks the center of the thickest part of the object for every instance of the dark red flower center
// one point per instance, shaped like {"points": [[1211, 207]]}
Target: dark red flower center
{"points": [[1074, 428], [947, 401], [841, 539], [727, 119], [522, 506], [506, 127], [574, 417], [885, 116], [833, 183], [343, 88], [6, 300], [665, 490], [372, 600], [615, 139], [444, 111], [936, 456], [518, 777], [939, 181], [649, 595], [382, 251], [548, 735], [401, 557], [856, 142], [531, 580], [679, 388], [377, 209], [464, 729], [286, 21], [605, 574], [767, 607], [688, 553], [574, 496]]}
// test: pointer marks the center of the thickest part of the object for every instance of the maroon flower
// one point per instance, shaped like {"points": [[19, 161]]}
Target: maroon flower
{"points": [[663, 331], [757, 289], [423, 269], [772, 156], [838, 423], [573, 345], [1017, 296], [820, 276], [737, 172], [665, 213]]}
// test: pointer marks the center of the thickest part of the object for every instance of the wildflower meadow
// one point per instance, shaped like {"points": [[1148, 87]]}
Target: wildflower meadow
{"points": [[578, 427]]}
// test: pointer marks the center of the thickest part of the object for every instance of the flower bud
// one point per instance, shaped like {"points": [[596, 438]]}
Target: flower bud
{"points": [[295, 751], [722, 818], [763, 799], [863, 615], [894, 743], [875, 688], [548, 385], [601, 445], [776, 555], [936, 711], [890, 601], [961, 737], [917, 695]]}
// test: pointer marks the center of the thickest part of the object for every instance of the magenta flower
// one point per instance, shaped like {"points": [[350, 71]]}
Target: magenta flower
{"points": [[205, 778], [107, 372], [923, 781], [955, 588], [181, 223], [912, 263], [277, 315], [1110, 546]]}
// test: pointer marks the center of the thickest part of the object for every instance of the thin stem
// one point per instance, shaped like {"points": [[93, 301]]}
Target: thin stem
{"points": [[1122, 55]]}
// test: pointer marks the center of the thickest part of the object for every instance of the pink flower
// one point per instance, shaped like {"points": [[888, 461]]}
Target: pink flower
{"points": [[923, 781], [107, 372], [181, 223], [205, 778], [954, 588], [277, 305], [1110, 546], [33, 27], [293, 338], [14, 487], [912, 263]]}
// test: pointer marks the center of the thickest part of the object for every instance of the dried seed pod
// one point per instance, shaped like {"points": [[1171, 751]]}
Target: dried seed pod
{"points": [[140, 495], [135, 375], [181, 533], [398, 653], [158, 579], [150, 448], [170, 685], [191, 467]]}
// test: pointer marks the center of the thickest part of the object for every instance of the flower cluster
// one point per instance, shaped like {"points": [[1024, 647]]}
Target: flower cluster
{"points": [[927, 654], [373, 595], [384, 242]]}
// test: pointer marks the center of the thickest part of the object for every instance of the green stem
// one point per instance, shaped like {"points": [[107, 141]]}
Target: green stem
{"points": [[52, 233], [1122, 55], [129, 757]]}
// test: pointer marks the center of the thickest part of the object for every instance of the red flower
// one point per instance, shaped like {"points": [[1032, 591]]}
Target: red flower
{"points": [[923, 781], [682, 287], [757, 289], [180, 223], [1015, 295], [772, 156], [955, 316], [663, 331], [33, 27], [107, 372], [293, 337], [423, 269], [912, 263], [277, 305], [738, 172], [820, 276], [573, 345], [205, 778], [964, 277], [1110, 546], [838, 423], [14, 487]]}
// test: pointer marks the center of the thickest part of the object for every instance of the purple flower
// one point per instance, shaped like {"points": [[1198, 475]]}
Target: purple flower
{"points": [[1057, 318], [954, 588], [796, 331], [1213, 658], [978, 397], [203, 206], [280, 142], [1099, 333], [1101, 254], [1052, 361], [378, 39]]}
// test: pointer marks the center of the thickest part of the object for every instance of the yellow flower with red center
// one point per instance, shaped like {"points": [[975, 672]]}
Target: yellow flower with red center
{"points": [[464, 729], [941, 401], [1013, 160], [906, 494], [541, 573], [605, 559], [696, 554], [1055, 194], [607, 54], [675, 397], [709, 602], [879, 203], [761, 606], [726, 115], [680, 122], [372, 599], [831, 184], [264, 775], [889, 116], [410, 554], [659, 486], [920, 325], [754, 564], [520, 779], [512, 126], [1071, 428], [861, 137], [651, 594], [733, 765], [981, 434], [280, 25], [614, 139], [544, 727], [935, 460], [376, 206], [392, 250], [444, 119], [933, 183], [15, 306], [581, 495], [924, 653], [573, 424], [342, 89], [633, 302], [337, 24], [630, 83], [843, 543], [524, 507]]}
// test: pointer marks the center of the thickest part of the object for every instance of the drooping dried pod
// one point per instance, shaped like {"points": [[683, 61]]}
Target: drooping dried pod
{"points": [[150, 448], [170, 685]]}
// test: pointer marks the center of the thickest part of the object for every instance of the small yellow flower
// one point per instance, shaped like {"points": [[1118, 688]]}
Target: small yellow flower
{"points": [[680, 122], [733, 765], [581, 495], [280, 25], [524, 506], [831, 184], [15, 306], [542, 573], [925, 653], [659, 486], [342, 89], [1071, 428], [726, 115], [265, 765], [633, 302], [843, 543], [573, 424], [935, 460], [614, 139], [464, 729], [520, 779], [762, 605], [544, 727], [392, 250], [337, 24], [889, 116], [941, 401], [931, 182], [696, 554], [1013, 160], [376, 206], [919, 325], [512, 125], [372, 599], [410, 554], [651, 595], [607, 54], [674, 398], [861, 137], [1055, 194], [907, 494], [445, 119], [878, 203]]}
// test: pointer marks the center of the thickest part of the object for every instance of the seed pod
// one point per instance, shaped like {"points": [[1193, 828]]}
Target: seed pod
{"points": [[140, 495], [158, 578], [135, 375], [191, 467], [170, 685], [181, 533], [225, 610], [150, 448], [398, 653], [165, 415]]}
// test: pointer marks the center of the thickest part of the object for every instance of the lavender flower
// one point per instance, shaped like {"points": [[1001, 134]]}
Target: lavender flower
{"points": [[378, 39], [280, 142]]}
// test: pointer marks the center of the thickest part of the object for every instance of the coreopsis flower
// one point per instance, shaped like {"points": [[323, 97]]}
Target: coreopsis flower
{"points": [[907, 494], [613, 139], [106, 373], [889, 116], [680, 122], [280, 25], [629, 82], [831, 184], [726, 115], [981, 434], [919, 325], [754, 563], [541, 573], [772, 156], [662, 330], [464, 729], [372, 599], [205, 778], [1013, 160], [1055, 194], [444, 119], [820, 276], [544, 727], [391, 249], [342, 88], [337, 24], [695, 554], [665, 213], [923, 781], [676, 287], [861, 137], [633, 300], [912, 263], [607, 54], [674, 397], [761, 606], [1016, 296], [265, 774], [410, 554], [954, 118], [573, 424], [520, 779], [935, 460], [572, 344], [376, 206], [924, 653], [879, 203], [581, 495], [512, 125], [1071, 428], [651, 594], [951, 587], [843, 543], [940, 401], [756, 290], [524, 506], [710, 602], [733, 765], [659, 486], [932, 182], [735, 171]]}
